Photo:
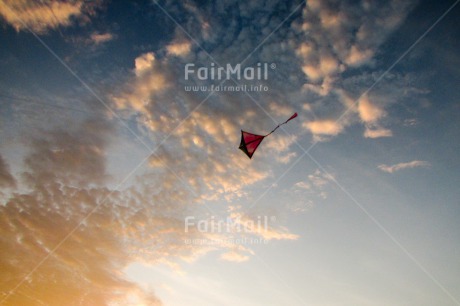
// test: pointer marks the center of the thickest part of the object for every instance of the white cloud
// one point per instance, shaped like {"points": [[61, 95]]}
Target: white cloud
{"points": [[327, 127], [401, 166]]}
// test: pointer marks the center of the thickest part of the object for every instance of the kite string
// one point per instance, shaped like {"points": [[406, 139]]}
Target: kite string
{"points": [[274, 129], [278, 126], [292, 117]]}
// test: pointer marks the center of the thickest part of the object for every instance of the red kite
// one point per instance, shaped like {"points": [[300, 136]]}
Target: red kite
{"points": [[250, 142]]}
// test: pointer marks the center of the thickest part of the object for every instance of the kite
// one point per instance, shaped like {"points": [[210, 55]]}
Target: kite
{"points": [[250, 142]]}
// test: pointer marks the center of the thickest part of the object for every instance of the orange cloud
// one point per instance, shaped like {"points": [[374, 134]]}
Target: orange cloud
{"points": [[179, 48], [368, 111], [40, 16], [44, 257]]}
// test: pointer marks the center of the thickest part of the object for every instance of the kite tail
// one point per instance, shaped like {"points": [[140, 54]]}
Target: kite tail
{"points": [[290, 118]]}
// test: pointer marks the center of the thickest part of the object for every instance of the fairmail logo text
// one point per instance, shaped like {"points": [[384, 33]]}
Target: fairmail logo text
{"points": [[227, 72]]}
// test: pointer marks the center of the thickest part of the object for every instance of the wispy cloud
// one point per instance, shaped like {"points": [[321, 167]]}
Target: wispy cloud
{"points": [[401, 166], [41, 16], [61, 185], [377, 132], [65, 179], [269, 233], [234, 256], [6, 179], [65, 171], [98, 38], [315, 185]]}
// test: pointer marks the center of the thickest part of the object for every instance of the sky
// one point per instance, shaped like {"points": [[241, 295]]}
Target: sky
{"points": [[121, 181]]}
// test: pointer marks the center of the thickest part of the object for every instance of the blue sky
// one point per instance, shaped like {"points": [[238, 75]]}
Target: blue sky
{"points": [[105, 152]]}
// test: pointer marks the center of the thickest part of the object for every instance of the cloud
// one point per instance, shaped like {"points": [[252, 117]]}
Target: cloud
{"points": [[377, 132], [234, 256], [303, 193], [202, 140], [373, 108], [179, 48], [369, 112], [261, 227], [279, 144], [320, 179], [66, 176], [97, 38], [411, 122], [64, 182], [338, 36], [333, 38], [42, 16], [316, 53], [320, 128], [281, 109], [63, 172], [302, 185], [144, 62], [285, 159], [149, 80], [357, 57], [401, 166], [77, 157], [6, 179]]}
